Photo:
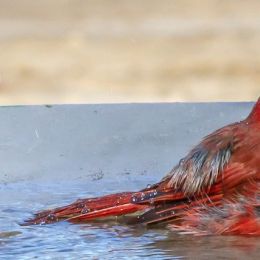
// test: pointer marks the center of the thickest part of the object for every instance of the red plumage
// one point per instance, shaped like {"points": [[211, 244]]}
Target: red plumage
{"points": [[213, 190]]}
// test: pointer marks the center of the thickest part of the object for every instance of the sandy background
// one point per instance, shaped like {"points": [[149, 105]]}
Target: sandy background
{"points": [[94, 51]]}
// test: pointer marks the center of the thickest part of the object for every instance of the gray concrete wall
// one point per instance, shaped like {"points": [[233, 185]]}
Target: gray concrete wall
{"points": [[104, 141]]}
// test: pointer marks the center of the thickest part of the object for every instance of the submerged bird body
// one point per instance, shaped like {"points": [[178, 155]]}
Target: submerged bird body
{"points": [[213, 190]]}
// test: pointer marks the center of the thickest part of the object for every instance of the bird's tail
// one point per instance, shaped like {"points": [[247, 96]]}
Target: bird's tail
{"points": [[118, 204], [148, 206], [90, 209]]}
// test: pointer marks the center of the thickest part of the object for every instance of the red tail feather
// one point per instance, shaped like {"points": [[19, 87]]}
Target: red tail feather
{"points": [[151, 205], [87, 209]]}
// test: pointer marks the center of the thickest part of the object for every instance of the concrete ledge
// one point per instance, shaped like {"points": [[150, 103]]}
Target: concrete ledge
{"points": [[96, 141]]}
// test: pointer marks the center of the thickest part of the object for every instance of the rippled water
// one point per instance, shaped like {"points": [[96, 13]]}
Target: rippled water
{"points": [[98, 240]]}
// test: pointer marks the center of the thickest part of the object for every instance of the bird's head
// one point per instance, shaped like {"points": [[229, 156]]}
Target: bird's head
{"points": [[254, 116]]}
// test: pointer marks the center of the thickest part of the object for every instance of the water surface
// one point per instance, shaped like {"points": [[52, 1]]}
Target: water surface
{"points": [[18, 200]]}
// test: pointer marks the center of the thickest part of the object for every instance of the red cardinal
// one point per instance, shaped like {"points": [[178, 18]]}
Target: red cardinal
{"points": [[213, 190]]}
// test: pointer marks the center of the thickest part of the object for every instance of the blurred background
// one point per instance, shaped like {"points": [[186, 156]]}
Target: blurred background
{"points": [[103, 51]]}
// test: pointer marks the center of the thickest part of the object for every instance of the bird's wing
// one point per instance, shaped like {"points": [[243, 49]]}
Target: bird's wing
{"points": [[204, 163]]}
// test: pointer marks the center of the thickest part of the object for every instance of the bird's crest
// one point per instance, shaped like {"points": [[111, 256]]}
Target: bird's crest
{"points": [[254, 116]]}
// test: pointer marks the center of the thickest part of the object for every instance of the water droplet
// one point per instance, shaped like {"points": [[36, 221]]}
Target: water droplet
{"points": [[181, 162], [134, 199], [81, 205], [85, 210], [51, 217]]}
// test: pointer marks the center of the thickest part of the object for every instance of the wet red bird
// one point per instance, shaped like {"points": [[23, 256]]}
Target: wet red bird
{"points": [[213, 190]]}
